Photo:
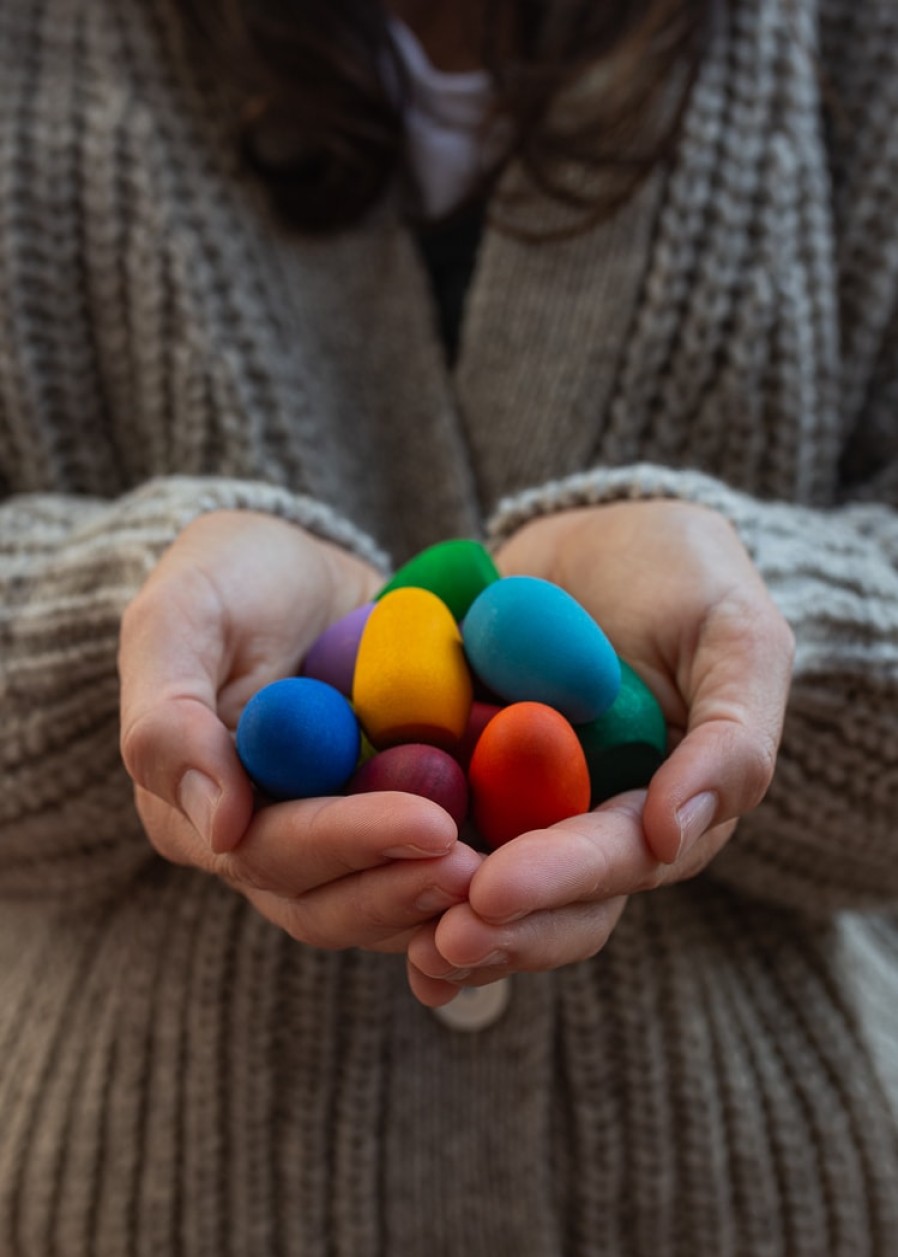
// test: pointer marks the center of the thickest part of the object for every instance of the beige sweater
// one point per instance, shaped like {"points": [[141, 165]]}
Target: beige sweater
{"points": [[178, 1078]]}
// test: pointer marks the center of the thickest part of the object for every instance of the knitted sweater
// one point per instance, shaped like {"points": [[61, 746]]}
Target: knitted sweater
{"points": [[177, 1077]]}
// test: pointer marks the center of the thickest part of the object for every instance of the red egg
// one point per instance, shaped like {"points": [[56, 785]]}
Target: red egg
{"points": [[528, 771], [416, 769]]}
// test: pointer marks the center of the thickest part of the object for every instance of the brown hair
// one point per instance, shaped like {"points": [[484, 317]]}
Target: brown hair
{"points": [[324, 131]]}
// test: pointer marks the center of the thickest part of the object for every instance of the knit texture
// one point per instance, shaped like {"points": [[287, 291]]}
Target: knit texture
{"points": [[177, 1077]]}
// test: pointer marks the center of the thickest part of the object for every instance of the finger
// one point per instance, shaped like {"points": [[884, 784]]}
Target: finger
{"points": [[738, 686], [292, 848], [586, 859], [370, 908], [432, 979], [435, 992], [538, 943], [173, 744], [431, 992]]}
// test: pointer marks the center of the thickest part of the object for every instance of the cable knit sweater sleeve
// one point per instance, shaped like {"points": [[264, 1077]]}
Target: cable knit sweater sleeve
{"points": [[825, 837], [68, 566]]}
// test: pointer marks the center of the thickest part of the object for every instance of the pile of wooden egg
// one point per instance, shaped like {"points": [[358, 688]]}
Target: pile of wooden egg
{"points": [[499, 698]]}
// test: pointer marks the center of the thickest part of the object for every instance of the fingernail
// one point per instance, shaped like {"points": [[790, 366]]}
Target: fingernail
{"points": [[456, 975], [435, 900], [694, 817], [492, 958], [198, 797], [511, 918], [410, 851]]}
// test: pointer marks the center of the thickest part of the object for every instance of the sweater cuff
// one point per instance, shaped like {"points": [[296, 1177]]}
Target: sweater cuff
{"points": [[178, 500], [637, 482]]}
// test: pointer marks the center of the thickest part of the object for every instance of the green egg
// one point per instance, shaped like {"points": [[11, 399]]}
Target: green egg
{"points": [[366, 750], [456, 571], [627, 743]]}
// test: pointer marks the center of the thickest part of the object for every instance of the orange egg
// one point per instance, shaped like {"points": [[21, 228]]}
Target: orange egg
{"points": [[528, 771]]}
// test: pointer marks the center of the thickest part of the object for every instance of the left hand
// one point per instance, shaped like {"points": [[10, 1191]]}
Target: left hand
{"points": [[679, 597]]}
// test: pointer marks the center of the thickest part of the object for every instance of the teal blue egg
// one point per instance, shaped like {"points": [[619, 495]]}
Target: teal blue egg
{"points": [[528, 640]]}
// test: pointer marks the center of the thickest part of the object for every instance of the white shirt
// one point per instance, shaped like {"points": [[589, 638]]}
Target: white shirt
{"points": [[447, 150]]}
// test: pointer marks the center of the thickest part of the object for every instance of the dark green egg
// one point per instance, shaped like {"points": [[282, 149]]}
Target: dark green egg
{"points": [[627, 743]]}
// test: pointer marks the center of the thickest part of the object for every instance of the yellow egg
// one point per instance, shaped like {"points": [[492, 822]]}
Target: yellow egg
{"points": [[412, 682]]}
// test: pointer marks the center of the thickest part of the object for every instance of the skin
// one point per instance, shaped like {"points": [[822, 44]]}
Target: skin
{"points": [[239, 597]]}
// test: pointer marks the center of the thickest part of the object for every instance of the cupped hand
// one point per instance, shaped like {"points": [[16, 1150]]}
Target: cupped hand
{"points": [[681, 601], [232, 605]]}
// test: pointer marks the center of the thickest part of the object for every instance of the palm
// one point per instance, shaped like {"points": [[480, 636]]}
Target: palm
{"points": [[258, 591]]}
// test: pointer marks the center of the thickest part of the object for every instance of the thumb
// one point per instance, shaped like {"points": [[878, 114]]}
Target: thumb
{"points": [[172, 741], [178, 750], [723, 766]]}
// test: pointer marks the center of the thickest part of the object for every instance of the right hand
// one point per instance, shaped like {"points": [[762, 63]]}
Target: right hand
{"points": [[678, 595], [233, 605]]}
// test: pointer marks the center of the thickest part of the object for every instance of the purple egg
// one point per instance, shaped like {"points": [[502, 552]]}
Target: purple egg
{"points": [[416, 769], [331, 657]]}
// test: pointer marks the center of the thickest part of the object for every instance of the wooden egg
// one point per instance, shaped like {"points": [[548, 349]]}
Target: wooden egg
{"points": [[332, 655], [416, 769], [297, 738], [626, 744], [456, 571], [528, 639], [412, 682], [528, 771]]}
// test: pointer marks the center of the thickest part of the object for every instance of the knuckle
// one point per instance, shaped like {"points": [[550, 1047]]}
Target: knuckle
{"points": [[592, 944], [239, 873], [138, 743], [148, 608], [787, 638], [551, 943], [290, 916], [157, 743], [394, 945], [163, 828], [759, 765], [764, 626], [653, 878], [130, 621], [373, 917], [539, 946], [305, 927]]}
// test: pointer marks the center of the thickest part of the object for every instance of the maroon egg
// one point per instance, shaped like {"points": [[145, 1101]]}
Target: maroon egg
{"points": [[416, 769]]}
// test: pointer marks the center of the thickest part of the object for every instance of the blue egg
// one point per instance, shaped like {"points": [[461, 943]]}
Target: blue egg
{"points": [[529, 640], [298, 738]]}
